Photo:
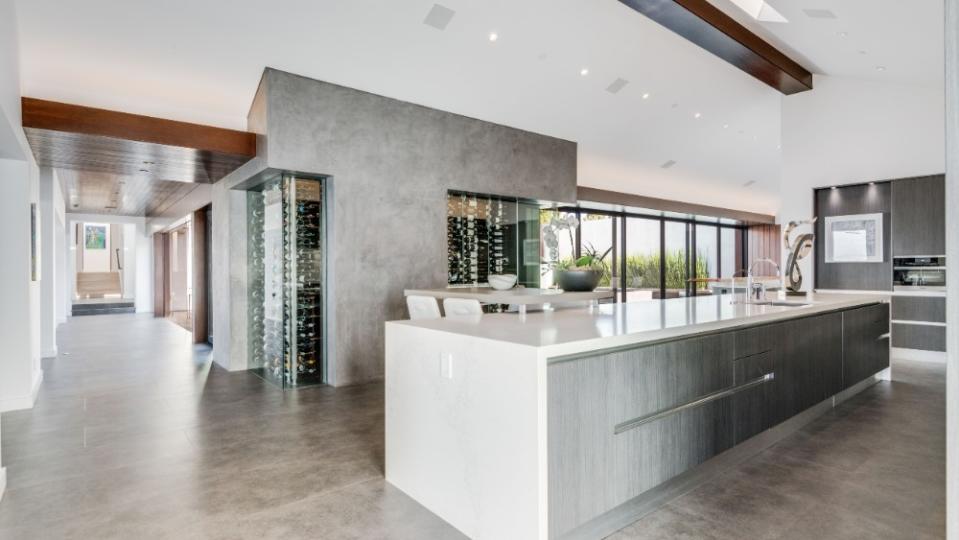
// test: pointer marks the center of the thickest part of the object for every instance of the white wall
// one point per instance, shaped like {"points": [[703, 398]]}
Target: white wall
{"points": [[20, 372], [49, 260], [846, 131]]}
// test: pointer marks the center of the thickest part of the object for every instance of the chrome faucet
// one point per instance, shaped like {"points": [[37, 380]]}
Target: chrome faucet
{"points": [[758, 294]]}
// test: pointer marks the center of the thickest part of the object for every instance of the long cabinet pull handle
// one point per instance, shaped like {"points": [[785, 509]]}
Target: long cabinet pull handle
{"points": [[700, 401], [883, 336]]}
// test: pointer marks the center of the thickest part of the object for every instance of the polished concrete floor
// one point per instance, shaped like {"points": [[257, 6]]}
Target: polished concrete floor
{"points": [[134, 435]]}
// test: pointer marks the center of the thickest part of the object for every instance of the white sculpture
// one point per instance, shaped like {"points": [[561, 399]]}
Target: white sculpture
{"points": [[797, 251]]}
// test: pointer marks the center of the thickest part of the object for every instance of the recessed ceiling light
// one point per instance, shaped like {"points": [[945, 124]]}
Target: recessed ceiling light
{"points": [[697, 116], [880, 68], [668, 164], [819, 14], [584, 72], [439, 16], [493, 36], [617, 85], [842, 34], [646, 95], [834, 187], [725, 126]]}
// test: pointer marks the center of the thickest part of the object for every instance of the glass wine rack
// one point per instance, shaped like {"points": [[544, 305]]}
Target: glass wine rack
{"points": [[286, 280]]}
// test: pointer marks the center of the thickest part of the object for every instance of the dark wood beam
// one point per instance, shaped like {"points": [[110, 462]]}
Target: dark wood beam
{"points": [[707, 26], [87, 139]]}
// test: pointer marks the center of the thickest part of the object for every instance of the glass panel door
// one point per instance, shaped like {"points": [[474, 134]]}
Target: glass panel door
{"points": [[286, 274], [707, 257], [642, 259], [599, 237], [677, 259]]}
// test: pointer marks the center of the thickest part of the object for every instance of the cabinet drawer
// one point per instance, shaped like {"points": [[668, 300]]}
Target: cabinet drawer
{"points": [[919, 336], [919, 308]]}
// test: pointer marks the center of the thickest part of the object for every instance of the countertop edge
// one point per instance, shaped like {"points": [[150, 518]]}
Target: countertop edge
{"points": [[564, 352]]}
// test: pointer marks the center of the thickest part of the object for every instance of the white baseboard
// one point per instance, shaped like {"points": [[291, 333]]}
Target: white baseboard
{"points": [[919, 355], [3, 481], [20, 403], [49, 353]]}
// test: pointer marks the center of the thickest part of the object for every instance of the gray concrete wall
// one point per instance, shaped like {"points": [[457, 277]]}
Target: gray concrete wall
{"points": [[391, 164], [228, 258]]}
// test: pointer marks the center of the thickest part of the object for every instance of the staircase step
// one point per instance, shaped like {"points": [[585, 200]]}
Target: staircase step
{"points": [[100, 308]]}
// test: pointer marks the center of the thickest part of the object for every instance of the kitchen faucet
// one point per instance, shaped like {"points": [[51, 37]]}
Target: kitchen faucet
{"points": [[760, 294]]}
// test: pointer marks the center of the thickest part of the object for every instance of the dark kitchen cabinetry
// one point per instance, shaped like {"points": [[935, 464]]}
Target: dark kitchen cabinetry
{"points": [[622, 422], [919, 216], [865, 342]]}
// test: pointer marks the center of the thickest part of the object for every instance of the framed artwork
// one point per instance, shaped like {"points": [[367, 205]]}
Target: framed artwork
{"points": [[95, 237], [854, 238], [34, 244]]}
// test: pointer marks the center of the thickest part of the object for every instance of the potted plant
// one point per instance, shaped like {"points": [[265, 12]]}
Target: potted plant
{"points": [[583, 274]]}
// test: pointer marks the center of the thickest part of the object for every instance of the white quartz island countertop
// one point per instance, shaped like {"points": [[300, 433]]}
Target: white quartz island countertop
{"points": [[469, 429], [572, 331]]}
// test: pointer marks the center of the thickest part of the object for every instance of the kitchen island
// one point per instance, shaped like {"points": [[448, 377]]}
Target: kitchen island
{"points": [[572, 423]]}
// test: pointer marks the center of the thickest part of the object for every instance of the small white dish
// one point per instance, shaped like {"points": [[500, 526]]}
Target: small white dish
{"points": [[502, 282]]}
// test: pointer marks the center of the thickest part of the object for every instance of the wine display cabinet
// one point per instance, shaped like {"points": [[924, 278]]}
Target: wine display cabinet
{"points": [[286, 273]]}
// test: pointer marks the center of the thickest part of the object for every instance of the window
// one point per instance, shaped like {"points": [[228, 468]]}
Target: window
{"points": [[642, 259], [707, 256], [598, 236], [677, 259]]}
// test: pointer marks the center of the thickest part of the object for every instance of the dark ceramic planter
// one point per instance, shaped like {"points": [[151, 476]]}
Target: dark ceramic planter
{"points": [[578, 280]]}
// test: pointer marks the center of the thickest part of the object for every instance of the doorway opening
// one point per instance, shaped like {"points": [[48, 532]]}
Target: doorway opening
{"points": [[103, 281]]}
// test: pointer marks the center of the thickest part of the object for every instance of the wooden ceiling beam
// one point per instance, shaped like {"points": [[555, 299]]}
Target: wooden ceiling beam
{"points": [[707, 26], [53, 116]]}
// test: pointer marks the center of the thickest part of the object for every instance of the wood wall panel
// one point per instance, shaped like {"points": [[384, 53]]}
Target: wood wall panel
{"points": [[764, 242], [200, 261], [161, 274], [852, 200]]}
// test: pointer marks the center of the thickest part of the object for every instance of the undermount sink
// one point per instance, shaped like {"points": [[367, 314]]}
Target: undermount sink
{"points": [[780, 303]]}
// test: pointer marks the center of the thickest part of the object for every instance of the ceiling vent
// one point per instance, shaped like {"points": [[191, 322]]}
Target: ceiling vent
{"points": [[439, 17], [616, 86], [668, 164], [819, 14]]}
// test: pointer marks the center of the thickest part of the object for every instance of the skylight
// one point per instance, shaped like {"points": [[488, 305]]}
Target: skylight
{"points": [[760, 10]]}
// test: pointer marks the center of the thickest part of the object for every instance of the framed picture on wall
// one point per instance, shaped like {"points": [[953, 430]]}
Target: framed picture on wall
{"points": [[34, 247], [854, 238], [95, 237]]}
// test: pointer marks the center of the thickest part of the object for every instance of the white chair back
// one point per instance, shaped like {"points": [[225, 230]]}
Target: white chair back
{"points": [[423, 307], [461, 307]]}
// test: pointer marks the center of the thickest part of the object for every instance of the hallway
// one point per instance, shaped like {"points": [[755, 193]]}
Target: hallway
{"points": [[134, 435]]}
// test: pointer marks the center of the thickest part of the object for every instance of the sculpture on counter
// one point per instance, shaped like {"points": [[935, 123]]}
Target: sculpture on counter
{"points": [[797, 251]]}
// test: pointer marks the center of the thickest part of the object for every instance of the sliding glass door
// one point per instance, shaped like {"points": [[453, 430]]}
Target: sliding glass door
{"points": [[643, 254]]}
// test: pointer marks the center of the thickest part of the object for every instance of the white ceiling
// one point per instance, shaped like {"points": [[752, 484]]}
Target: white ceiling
{"points": [[905, 37], [201, 61]]}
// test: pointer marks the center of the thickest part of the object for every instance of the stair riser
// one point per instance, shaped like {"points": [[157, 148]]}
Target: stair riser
{"points": [[108, 311]]}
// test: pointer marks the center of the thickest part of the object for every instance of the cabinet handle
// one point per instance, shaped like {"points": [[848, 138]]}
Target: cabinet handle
{"points": [[708, 398], [883, 336]]}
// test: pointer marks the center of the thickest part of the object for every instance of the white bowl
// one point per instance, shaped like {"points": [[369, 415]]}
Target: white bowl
{"points": [[502, 282]]}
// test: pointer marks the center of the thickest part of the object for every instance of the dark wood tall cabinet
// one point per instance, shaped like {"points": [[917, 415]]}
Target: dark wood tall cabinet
{"points": [[919, 216]]}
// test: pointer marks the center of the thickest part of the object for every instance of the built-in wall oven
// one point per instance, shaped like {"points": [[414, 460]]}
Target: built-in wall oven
{"points": [[919, 273]]}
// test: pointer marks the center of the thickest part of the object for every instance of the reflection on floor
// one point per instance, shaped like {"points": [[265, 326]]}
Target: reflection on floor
{"points": [[134, 435], [183, 319]]}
